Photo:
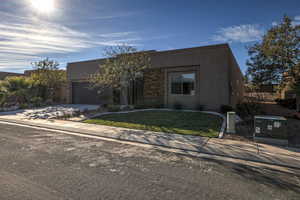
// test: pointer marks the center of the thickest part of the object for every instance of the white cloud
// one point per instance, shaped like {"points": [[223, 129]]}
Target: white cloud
{"points": [[296, 20], [119, 15], [242, 33], [23, 40], [118, 34]]}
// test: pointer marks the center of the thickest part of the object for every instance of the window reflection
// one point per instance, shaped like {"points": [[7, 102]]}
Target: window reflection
{"points": [[183, 84]]}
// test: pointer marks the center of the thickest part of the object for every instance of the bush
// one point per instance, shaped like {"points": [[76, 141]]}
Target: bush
{"points": [[105, 105], [141, 106], [177, 106], [288, 103], [36, 101], [248, 109], [113, 108], [159, 106], [24, 106], [17, 90], [126, 107], [226, 108], [200, 107], [148, 106]]}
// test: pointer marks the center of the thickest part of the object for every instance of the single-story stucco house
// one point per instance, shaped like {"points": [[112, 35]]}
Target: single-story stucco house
{"points": [[208, 76]]}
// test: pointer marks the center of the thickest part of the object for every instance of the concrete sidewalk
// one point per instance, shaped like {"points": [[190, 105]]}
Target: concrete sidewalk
{"points": [[281, 156]]}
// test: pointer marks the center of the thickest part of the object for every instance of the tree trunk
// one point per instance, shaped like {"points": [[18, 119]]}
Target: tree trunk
{"points": [[124, 91], [298, 102], [124, 96]]}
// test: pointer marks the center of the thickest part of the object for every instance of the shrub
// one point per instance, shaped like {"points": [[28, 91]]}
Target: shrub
{"points": [[159, 106], [247, 109], [17, 90], [200, 107], [105, 105], [113, 108], [288, 103], [177, 106], [226, 108], [126, 107], [36, 101], [148, 106], [24, 106], [141, 106]]}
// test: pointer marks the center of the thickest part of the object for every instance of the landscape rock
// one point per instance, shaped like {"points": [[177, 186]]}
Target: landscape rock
{"points": [[58, 111]]}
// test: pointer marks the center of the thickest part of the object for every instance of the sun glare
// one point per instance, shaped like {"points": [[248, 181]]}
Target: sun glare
{"points": [[43, 6]]}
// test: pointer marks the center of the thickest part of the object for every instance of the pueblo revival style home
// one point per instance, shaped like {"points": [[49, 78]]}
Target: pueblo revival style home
{"points": [[206, 76]]}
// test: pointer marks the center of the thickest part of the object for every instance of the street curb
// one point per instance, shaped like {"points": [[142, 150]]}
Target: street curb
{"points": [[185, 151]]}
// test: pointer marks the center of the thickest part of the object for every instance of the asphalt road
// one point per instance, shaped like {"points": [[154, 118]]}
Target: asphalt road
{"points": [[38, 164]]}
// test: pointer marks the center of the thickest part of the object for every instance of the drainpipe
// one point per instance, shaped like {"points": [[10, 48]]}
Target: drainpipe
{"points": [[298, 102], [231, 122], [124, 91]]}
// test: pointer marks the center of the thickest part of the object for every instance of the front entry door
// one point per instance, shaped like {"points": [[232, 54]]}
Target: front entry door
{"points": [[182, 89]]}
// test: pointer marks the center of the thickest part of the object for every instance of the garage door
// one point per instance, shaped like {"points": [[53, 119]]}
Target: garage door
{"points": [[83, 94]]}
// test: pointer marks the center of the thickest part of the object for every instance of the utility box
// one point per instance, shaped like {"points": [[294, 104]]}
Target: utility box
{"points": [[270, 129], [231, 117]]}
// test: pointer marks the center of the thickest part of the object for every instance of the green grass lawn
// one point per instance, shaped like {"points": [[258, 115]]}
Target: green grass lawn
{"points": [[189, 123]]}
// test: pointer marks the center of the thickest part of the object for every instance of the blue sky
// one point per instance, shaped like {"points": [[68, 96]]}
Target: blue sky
{"points": [[73, 30]]}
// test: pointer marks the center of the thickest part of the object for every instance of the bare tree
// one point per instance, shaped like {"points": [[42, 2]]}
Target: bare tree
{"points": [[123, 65]]}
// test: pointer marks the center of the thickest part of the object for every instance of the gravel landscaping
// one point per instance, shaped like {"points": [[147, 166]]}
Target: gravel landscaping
{"points": [[54, 112]]}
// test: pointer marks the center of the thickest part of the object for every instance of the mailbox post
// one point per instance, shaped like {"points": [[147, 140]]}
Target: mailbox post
{"points": [[271, 129], [231, 117]]}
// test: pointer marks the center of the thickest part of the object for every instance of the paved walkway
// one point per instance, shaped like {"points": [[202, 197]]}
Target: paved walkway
{"points": [[222, 147]]}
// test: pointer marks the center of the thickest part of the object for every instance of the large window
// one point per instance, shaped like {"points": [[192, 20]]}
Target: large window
{"points": [[183, 84]]}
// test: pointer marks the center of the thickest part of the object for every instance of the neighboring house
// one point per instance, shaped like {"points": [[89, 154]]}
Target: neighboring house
{"points": [[3, 75], [208, 76]]}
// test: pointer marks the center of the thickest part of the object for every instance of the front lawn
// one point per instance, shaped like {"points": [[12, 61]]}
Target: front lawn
{"points": [[189, 123]]}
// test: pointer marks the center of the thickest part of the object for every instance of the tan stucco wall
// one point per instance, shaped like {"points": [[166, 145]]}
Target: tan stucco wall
{"points": [[82, 70], [211, 65], [69, 92], [217, 72], [211, 68], [237, 87]]}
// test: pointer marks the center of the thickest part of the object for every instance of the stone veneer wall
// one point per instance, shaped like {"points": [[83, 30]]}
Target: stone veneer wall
{"points": [[154, 86]]}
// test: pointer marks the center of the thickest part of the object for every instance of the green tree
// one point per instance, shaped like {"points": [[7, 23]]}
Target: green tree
{"points": [[17, 90], [276, 58], [48, 77], [123, 65]]}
